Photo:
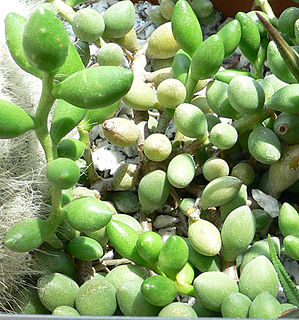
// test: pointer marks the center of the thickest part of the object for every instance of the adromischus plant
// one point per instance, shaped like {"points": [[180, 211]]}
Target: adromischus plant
{"points": [[89, 96]]}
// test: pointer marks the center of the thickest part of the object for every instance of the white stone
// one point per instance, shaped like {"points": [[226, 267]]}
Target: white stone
{"points": [[106, 159], [108, 256], [267, 202], [165, 233]]}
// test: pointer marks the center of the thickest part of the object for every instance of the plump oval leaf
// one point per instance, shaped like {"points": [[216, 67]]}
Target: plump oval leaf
{"points": [[152, 287], [56, 289], [14, 29], [185, 27], [45, 41], [85, 248], [87, 214], [94, 88], [63, 173], [153, 191], [27, 235], [173, 256], [14, 121], [119, 19], [96, 297], [230, 35], [250, 37], [207, 58]]}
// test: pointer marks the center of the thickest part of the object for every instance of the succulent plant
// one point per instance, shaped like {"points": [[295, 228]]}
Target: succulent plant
{"points": [[204, 170]]}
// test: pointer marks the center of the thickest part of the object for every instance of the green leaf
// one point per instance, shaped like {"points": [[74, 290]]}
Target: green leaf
{"points": [[173, 256], [278, 65], [63, 173], [14, 29], [153, 191], [96, 214], [149, 245], [65, 118], [95, 87], [230, 35], [185, 27], [219, 191], [85, 248], [287, 21], [250, 37], [45, 41], [152, 287], [14, 121], [180, 66], [290, 57], [227, 75], [208, 58], [70, 148], [27, 235], [288, 220], [73, 63], [124, 238], [88, 25], [285, 99], [119, 19]]}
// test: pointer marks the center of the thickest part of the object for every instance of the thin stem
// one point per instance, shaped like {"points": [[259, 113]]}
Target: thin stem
{"points": [[84, 137], [258, 70], [56, 215], [261, 57], [156, 269], [41, 118], [190, 87], [190, 148]]}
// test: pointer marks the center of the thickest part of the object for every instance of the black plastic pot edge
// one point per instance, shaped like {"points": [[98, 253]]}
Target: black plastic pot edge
{"points": [[50, 317]]}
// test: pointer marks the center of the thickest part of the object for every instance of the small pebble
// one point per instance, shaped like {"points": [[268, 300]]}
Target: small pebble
{"points": [[164, 221]]}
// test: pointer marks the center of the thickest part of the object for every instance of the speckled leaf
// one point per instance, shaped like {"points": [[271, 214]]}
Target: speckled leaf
{"points": [[185, 27], [45, 41], [94, 88], [14, 29]]}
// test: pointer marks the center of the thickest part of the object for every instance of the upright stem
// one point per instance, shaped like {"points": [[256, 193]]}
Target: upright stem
{"points": [[258, 68], [41, 118], [84, 137], [190, 87], [163, 122], [250, 121], [56, 214]]}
